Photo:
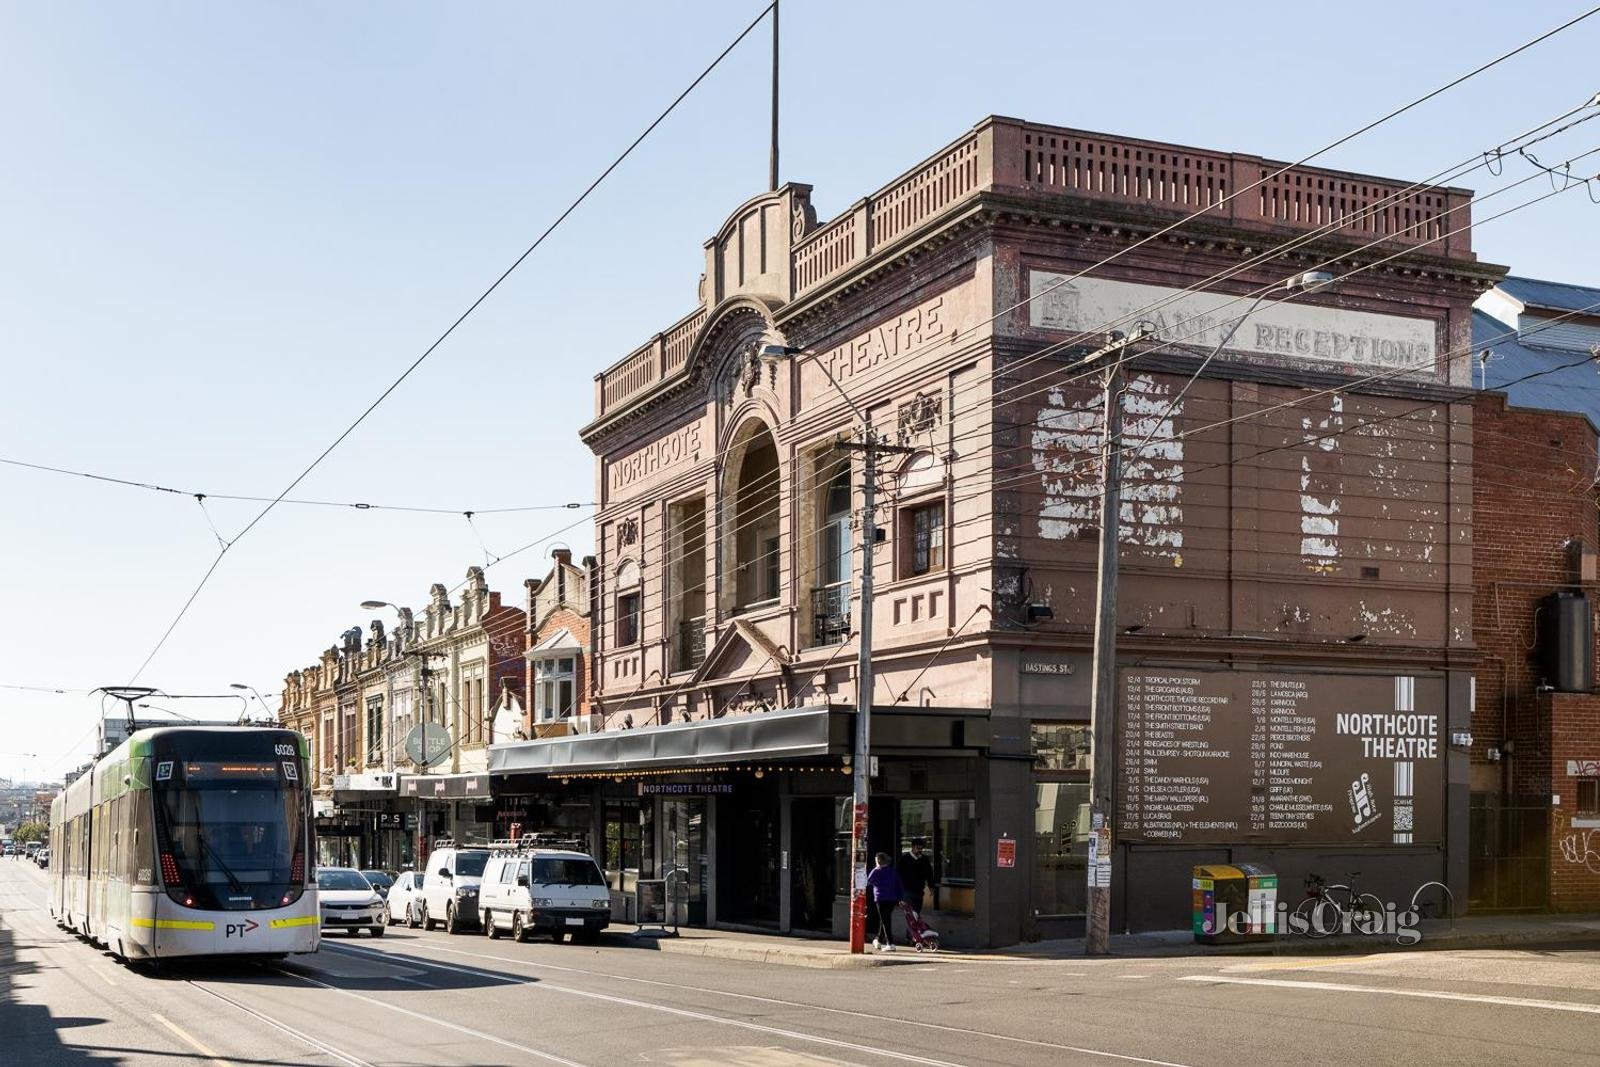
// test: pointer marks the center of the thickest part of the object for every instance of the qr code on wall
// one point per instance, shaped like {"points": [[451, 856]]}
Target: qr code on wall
{"points": [[1402, 819]]}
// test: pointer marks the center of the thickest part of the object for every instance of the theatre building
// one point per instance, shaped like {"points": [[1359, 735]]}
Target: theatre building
{"points": [[1295, 612]]}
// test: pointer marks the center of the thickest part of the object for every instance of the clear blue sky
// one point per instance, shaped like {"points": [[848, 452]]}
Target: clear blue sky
{"points": [[225, 227]]}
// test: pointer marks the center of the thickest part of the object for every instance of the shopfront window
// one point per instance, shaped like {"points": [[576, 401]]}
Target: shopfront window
{"points": [[624, 845], [949, 828], [1061, 759]]}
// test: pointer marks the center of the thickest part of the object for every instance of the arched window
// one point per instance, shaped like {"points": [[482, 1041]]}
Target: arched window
{"points": [[751, 505]]}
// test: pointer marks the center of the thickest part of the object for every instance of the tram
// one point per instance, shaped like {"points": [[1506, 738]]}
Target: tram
{"points": [[188, 841]]}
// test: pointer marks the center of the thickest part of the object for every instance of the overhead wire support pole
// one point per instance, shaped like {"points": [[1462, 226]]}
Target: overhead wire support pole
{"points": [[870, 447], [1103, 680], [772, 169]]}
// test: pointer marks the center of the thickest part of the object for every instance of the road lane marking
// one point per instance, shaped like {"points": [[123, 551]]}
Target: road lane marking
{"points": [[189, 1040], [1423, 994], [469, 1031], [298, 1035], [679, 987], [1306, 965]]}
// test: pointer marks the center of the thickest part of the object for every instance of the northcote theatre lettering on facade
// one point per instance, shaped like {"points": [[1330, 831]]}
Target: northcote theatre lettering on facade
{"points": [[1295, 597]]}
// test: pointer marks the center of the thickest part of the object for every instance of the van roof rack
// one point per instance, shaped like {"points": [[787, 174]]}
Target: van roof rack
{"points": [[566, 840]]}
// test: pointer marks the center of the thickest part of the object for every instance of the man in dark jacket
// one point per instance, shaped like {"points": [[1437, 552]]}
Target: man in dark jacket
{"points": [[916, 873]]}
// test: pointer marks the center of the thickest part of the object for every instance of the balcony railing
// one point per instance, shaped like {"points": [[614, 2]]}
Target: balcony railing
{"points": [[830, 613], [691, 643], [1053, 165]]}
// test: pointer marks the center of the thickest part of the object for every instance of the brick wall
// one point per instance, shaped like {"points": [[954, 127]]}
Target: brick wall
{"points": [[1532, 493], [1574, 720]]}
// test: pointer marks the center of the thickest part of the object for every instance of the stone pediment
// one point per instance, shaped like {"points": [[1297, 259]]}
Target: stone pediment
{"points": [[750, 253], [740, 649]]}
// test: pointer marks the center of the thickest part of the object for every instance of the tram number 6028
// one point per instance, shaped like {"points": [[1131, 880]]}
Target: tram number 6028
{"points": [[285, 750]]}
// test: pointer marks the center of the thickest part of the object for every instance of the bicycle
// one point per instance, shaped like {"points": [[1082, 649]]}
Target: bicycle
{"points": [[1323, 912]]}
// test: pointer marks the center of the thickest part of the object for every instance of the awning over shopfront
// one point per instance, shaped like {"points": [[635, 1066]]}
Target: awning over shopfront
{"points": [[773, 735], [445, 786], [356, 788]]}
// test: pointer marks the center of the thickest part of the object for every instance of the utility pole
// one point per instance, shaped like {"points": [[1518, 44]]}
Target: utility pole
{"points": [[1103, 683], [870, 447]]}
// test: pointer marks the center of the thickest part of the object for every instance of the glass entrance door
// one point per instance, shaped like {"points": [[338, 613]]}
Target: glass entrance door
{"points": [[684, 863]]}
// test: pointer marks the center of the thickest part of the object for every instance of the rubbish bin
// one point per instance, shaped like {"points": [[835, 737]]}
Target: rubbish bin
{"points": [[1235, 903]]}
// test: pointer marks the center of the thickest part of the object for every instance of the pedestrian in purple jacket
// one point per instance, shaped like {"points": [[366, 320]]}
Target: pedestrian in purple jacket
{"points": [[887, 891]]}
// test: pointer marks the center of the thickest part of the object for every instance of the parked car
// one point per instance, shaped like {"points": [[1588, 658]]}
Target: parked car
{"points": [[348, 901], [381, 881], [42, 857], [402, 905], [450, 887], [538, 890]]}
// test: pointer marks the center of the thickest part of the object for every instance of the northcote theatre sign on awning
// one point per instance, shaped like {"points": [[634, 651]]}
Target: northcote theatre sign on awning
{"points": [[1278, 327]]}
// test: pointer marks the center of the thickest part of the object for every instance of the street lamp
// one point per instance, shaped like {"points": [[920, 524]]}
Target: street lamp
{"points": [[241, 686]]}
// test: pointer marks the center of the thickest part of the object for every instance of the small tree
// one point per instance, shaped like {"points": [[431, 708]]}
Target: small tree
{"points": [[32, 831]]}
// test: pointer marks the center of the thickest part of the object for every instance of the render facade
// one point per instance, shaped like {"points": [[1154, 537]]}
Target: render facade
{"points": [[1295, 536]]}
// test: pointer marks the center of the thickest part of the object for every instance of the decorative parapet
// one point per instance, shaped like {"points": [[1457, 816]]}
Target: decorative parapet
{"points": [[1054, 166]]}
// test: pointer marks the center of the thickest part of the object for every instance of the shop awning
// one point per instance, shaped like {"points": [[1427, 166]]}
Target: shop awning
{"points": [[445, 786], [793, 732], [773, 735]]}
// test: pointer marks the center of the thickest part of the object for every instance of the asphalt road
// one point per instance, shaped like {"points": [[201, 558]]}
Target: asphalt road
{"points": [[433, 1000]]}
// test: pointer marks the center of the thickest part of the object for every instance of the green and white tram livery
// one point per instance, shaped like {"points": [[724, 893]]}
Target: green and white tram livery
{"points": [[189, 841]]}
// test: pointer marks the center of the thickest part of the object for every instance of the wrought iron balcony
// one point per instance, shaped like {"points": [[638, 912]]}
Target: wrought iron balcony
{"points": [[691, 643], [830, 608]]}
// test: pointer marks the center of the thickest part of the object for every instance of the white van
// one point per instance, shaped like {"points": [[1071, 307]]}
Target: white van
{"points": [[450, 888], [545, 890]]}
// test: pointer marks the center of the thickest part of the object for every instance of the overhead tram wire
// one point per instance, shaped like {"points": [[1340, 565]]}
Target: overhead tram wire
{"points": [[1473, 162], [1331, 227], [1484, 67], [985, 428], [1030, 473], [1021, 303], [1236, 192], [355, 505], [1356, 428], [337, 441], [1265, 256]]}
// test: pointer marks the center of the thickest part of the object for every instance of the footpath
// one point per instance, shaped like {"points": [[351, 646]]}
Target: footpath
{"points": [[1475, 932]]}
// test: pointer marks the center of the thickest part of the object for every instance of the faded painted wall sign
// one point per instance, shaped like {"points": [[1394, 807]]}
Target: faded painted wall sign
{"points": [[1291, 331], [661, 456], [1236, 756]]}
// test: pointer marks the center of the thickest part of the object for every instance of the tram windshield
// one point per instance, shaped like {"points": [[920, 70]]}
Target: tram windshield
{"points": [[231, 828]]}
